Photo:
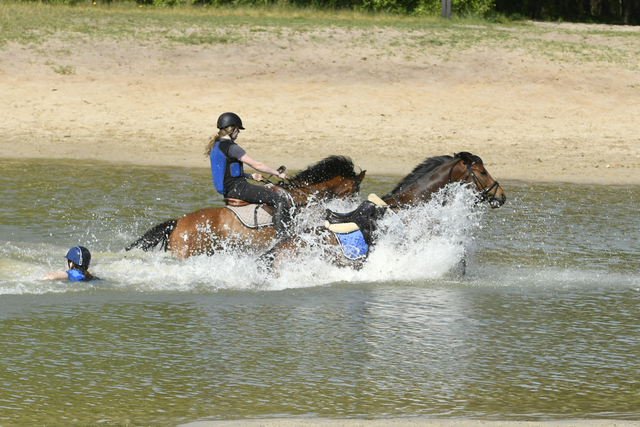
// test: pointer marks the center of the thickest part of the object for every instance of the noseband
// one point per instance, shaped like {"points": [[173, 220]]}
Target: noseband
{"points": [[485, 191]]}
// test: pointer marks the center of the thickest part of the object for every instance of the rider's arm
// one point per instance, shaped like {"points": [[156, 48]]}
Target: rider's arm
{"points": [[261, 167], [55, 276], [253, 176]]}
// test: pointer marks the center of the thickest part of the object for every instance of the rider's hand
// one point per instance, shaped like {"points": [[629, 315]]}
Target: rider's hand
{"points": [[282, 175], [257, 177]]}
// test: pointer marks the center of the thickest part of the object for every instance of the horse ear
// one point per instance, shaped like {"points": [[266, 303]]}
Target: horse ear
{"points": [[463, 155], [468, 157]]}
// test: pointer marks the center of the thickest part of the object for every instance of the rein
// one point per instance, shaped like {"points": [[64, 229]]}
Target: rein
{"points": [[292, 186], [284, 187]]}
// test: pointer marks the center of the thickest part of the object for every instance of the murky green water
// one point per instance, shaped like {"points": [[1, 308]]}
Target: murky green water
{"points": [[544, 325]]}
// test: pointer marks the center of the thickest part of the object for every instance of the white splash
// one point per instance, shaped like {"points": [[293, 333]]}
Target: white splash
{"points": [[424, 242]]}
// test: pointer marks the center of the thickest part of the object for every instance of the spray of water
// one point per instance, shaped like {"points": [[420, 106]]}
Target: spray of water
{"points": [[424, 242], [428, 241]]}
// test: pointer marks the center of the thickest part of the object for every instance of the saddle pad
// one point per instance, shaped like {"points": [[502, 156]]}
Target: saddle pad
{"points": [[252, 216], [353, 244]]}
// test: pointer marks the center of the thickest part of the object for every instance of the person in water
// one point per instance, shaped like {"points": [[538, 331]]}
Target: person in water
{"points": [[227, 170], [77, 266]]}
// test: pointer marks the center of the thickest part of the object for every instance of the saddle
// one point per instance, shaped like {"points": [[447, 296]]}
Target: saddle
{"points": [[230, 202], [363, 218], [255, 215]]}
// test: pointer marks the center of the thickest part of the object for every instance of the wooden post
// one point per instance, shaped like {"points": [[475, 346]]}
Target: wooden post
{"points": [[446, 9]]}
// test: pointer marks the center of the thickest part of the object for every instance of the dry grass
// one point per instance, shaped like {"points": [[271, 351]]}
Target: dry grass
{"points": [[32, 24]]}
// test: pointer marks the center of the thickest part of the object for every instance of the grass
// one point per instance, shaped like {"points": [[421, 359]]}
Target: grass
{"points": [[33, 24]]}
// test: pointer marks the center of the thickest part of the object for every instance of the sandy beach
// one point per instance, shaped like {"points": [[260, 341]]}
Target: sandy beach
{"points": [[527, 116]]}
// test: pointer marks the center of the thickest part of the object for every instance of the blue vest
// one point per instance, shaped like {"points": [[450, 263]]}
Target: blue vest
{"points": [[75, 275], [223, 167]]}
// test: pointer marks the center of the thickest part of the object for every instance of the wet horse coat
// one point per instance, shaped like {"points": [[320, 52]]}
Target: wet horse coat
{"points": [[209, 230], [427, 178]]}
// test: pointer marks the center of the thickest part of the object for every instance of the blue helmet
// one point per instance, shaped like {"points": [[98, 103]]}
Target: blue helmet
{"points": [[80, 256]]}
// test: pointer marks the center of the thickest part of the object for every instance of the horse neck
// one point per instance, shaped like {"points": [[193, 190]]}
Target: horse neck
{"points": [[300, 195], [302, 192], [421, 190]]}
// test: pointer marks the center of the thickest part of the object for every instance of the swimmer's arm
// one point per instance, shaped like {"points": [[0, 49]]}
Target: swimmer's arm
{"points": [[55, 276]]}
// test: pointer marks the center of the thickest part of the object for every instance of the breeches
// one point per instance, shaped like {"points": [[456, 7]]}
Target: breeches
{"points": [[255, 194]]}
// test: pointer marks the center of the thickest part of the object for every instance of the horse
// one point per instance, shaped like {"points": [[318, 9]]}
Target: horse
{"points": [[360, 225], [212, 229]]}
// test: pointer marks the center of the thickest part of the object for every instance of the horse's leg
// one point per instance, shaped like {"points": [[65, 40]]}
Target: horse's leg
{"points": [[291, 248], [283, 250], [461, 267], [179, 239]]}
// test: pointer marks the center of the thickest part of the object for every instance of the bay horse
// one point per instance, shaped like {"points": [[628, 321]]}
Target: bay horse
{"points": [[209, 230], [427, 178]]}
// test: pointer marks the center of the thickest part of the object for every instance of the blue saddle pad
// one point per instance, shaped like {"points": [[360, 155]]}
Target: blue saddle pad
{"points": [[353, 244]]}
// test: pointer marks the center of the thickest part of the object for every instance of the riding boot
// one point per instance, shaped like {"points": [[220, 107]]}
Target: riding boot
{"points": [[282, 220]]}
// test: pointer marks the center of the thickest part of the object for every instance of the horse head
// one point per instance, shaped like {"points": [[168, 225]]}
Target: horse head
{"points": [[434, 173], [333, 177], [472, 169], [342, 187]]}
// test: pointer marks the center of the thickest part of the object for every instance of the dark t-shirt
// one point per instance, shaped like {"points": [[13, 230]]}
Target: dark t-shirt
{"points": [[233, 152]]}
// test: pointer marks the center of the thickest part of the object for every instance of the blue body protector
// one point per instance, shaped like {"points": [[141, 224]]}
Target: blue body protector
{"points": [[219, 164], [353, 244], [75, 275]]}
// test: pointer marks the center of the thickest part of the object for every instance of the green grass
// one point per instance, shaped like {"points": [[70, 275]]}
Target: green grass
{"points": [[33, 24]]}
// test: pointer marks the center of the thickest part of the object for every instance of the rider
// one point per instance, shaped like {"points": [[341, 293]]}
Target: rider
{"points": [[77, 264], [227, 160]]}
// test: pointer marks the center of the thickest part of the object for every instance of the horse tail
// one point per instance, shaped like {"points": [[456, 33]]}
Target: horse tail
{"points": [[158, 234]]}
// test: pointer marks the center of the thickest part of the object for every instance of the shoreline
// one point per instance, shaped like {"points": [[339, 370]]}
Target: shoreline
{"points": [[374, 169]]}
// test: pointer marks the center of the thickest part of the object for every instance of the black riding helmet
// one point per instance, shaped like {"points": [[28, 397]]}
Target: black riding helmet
{"points": [[229, 119]]}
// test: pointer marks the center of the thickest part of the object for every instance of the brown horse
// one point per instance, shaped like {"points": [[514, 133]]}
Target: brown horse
{"points": [[426, 179], [209, 230]]}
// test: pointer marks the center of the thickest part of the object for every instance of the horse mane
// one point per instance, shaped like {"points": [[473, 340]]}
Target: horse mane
{"points": [[428, 166], [325, 170]]}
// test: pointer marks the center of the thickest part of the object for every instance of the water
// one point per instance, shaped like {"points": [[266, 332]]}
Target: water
{"points": [[543, 326]]}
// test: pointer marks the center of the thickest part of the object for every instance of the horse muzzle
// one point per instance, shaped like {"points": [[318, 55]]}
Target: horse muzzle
{"points": [[496, 202], [494, 195]]}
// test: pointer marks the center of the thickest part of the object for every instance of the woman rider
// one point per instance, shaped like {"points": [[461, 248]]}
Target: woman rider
{"points": [[227, 160]]}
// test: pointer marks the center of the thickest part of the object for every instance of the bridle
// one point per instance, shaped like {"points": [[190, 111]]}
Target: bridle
{"points": [[485, 193]]}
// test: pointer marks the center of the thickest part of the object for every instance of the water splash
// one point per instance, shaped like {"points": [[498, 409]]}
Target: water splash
{"points": [[424, 242]]}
